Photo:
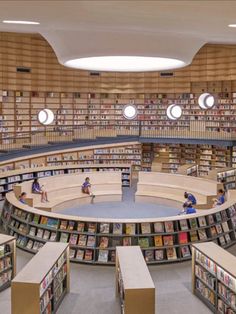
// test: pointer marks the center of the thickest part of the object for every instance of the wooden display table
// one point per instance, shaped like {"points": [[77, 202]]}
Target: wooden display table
{"points": [[134, 284], [43, 282]]}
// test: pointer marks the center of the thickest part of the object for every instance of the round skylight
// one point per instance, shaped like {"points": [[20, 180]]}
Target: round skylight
{"points": [[130, 112], [45, 116], [125, 63], [206, 101], [174, 112]]}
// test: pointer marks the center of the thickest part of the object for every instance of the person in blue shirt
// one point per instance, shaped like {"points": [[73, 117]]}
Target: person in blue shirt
{"points": [[190, 198], [38, 189], [188, 208], [221, 198], [86, 187], [22, 198]]}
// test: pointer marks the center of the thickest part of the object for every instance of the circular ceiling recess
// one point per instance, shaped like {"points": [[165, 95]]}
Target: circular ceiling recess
{"points": [[125, 63], [45, 116], [174, 112], [130, 112]]}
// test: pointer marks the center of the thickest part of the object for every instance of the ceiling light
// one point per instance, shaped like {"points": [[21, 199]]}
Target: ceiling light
{"points": [[174, 112], [130, 112], [45, 116], [21, 22], [232, 25], [125, 63], [206, 101]]}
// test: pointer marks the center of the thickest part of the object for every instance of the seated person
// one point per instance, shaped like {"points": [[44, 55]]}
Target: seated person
{"points": [[86, 187], [188, 209], [37, 189], [220, 199], [190, 198], [22, 198]]}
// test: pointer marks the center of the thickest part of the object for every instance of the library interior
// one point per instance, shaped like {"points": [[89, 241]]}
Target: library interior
{"points": [[117, 157]]}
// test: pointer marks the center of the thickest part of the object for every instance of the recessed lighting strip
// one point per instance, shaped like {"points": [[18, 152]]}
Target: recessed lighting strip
{"points": [[21, 22]]}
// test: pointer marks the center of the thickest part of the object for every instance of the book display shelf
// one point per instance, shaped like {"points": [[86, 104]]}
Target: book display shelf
{"points": [[42, 291], [214, 277], [7, 260], [227, 176], [94, 240], [134, 285]]}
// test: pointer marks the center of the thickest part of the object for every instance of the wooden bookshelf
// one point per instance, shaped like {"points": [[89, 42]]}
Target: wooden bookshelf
{"points": [[214, 277], [134, 285], [7, 260], [42, 291], [227, 176]]}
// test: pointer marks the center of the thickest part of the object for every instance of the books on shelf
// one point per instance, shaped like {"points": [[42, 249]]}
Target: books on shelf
{"points": [[158, 227], [88, 255], [80, 255], [169, 226], [168, 240], [80, 227], [202, 221], [127, 241], [117, 228], [130, 228], [185, 251], [183, 237], [183, 224], [91, 242], [82, 240], [73, 239], [193, 236], [202, 234], [103, 256], [145, 227], [149, 255], [171, 253], [104, 242], [64, 237], [104, 228], [143, 242], [158, 240], [193, 223], [159, 255]]}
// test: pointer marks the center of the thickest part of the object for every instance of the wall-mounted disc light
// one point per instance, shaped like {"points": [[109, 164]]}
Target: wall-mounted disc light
{"points": [[174, 112], [130, 112], [206, 101], [45, 116]]}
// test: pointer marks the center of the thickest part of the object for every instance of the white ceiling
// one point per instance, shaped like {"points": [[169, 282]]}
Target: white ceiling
{"points": [[174, 29]]}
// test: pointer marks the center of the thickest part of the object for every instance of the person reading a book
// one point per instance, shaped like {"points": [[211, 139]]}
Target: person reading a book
{"points": [[220, 199], [22, 198], [39, 189], [86, 187], [188, 209], [190, 198]]}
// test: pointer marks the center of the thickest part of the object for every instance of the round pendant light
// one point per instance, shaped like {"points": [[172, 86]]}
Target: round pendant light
{"points": [[206, 101], [130, 112], [174, 112], [45, 116]]}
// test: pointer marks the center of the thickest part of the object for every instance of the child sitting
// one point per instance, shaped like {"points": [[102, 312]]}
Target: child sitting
{"points": [[86, 187]]}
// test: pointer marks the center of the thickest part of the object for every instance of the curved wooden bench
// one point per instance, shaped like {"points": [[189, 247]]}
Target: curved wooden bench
{"points": [[156, 186], [65, 190]]}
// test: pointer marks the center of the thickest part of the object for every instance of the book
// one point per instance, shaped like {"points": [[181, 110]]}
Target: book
{"points": [[115, 242], [158, 227], [126, 241], [36, 219], [169, 226], [219, 229], [168, 240], [64, 237], [113, 256], [130, 228], [52, 223], [91, 242], [32, 231], [88, 255], [183, 238], [158, 240], [224, 215], [72, 253], [40, 233], [117, 228], [185, 252], [227, 238], [46, 235], [92, 227], [210, 219], [43, 220], [225, 226], [104, 242], [193, 236], [183, 224], [193, 223], [53, 236], [71, 225], [104, 228], [202, 221], [202, 234], [80, 227], [143, 242], [159, 255], [80, 255], [222, 240], [63, 225], [36, 246], [213, 231], [82, 240], [73, 239], [149, 255], [145, 227], [103, 256], [171, 253], [30, 244], [218, 217]]}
